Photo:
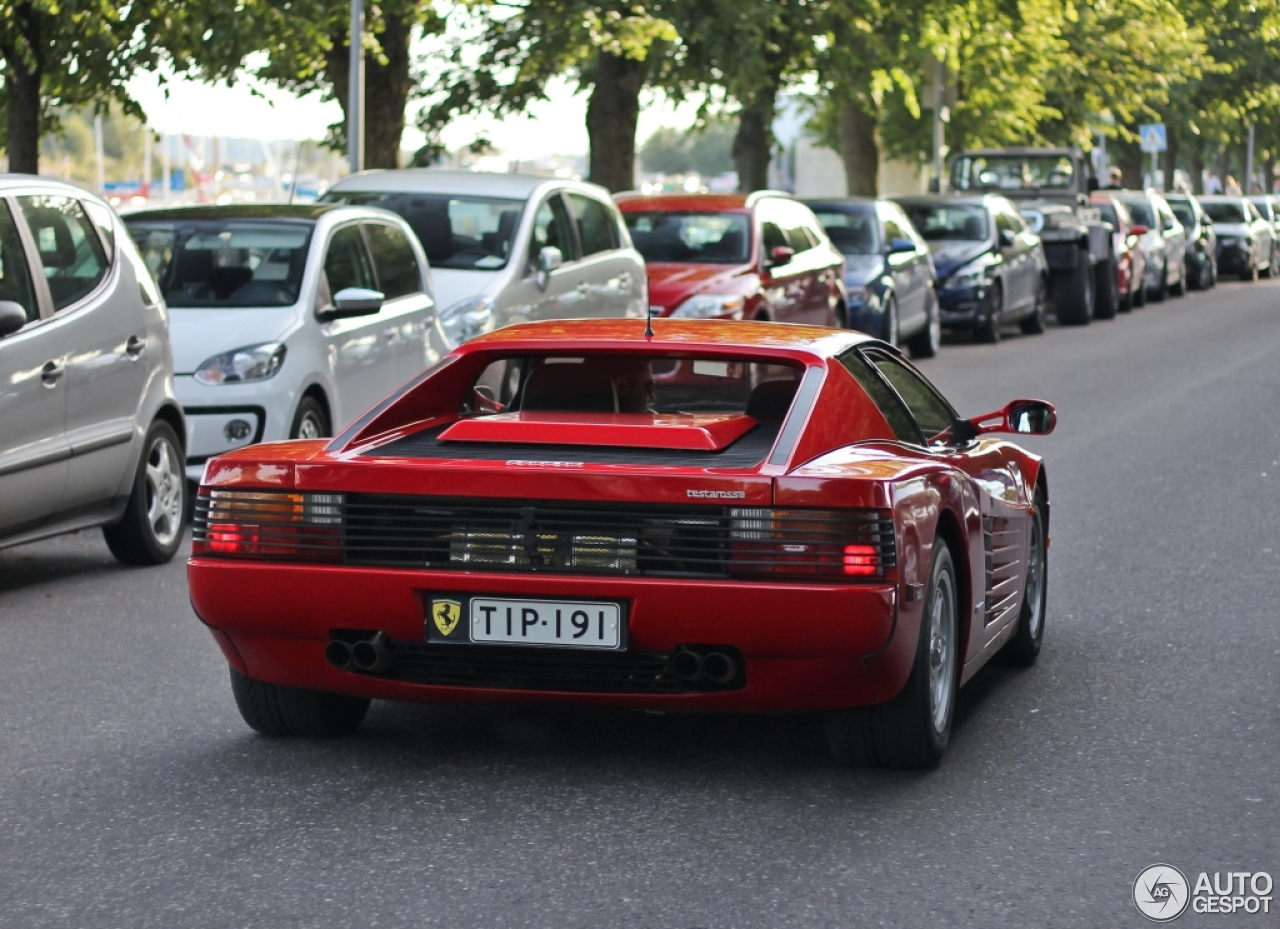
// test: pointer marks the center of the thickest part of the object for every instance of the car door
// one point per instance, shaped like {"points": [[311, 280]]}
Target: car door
{"points": [[34, 454], [1015, 261], [359, 347], [555, 294], [104, 332], [1175, 239], [1003, 497], [1263, 234], [784, 283], [906, 271], [407, 309], [605, 272]]}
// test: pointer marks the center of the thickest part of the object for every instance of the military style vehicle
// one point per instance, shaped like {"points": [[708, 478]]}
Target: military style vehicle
{"points": [[1050, 187]]}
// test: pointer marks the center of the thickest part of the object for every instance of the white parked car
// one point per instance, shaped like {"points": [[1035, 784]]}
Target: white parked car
{"points": [[90, 426], [507, 248], [286, 321]]}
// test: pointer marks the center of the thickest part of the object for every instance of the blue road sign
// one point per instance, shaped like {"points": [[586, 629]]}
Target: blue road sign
{"points": [[1153, 137]]}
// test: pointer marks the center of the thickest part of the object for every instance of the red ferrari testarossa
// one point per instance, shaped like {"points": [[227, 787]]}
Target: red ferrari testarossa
{"points": [[720, 516]]}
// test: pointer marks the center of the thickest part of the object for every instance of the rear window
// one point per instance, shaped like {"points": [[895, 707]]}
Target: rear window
{"points": [[224, 263], [699, 238], [1141, 212], [1225, 212], [853, 232], [945, 222], [462, 233], [633, 384]]}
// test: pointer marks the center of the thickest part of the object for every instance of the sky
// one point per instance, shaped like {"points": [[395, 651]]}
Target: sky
{"points": [[252, 110]]}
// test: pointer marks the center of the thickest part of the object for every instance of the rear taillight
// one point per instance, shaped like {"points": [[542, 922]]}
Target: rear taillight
{"points": [[849, 543], [251, 524]]}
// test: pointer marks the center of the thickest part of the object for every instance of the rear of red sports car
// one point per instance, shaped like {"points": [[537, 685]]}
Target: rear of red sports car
{"points": [[576, 513]]}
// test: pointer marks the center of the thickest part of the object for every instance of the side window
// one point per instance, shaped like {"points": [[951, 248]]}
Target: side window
{"points": [[347, 263], [892, 230], [15, 277], [70, 250], [883, 396], [794, 221], [931, 413], [907, 227], [395, 261], [101, 216], [551, 228], [596, 229], [772, 237]]}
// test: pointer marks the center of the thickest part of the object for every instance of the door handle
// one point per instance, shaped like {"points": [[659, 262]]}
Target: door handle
{"points": [[133, 348], [50, 373]]}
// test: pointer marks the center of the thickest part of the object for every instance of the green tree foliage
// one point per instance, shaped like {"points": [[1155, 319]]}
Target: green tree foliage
{"points": [[706, 151]]}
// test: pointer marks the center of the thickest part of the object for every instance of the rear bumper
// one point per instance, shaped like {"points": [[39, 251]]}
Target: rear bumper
{"points": [[805, 647]]}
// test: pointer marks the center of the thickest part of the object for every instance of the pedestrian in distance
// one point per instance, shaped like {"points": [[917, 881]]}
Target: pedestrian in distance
{"points": [[1115, 179], [1212, 184], [1232, 187]]}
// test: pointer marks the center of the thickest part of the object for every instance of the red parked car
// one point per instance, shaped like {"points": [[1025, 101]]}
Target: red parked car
{"points": [[758, 256], [1131, 261], [812, 528]]}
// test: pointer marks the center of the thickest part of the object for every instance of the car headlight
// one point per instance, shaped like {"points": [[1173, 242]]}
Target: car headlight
{"points": [[467, 319], [711, 306], [969, 276], [251, 363]]}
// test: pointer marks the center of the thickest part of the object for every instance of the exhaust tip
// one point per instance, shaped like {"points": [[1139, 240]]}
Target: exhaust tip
{"points": [[719, 668], [373, 654], [338, 654], [687, 665]]}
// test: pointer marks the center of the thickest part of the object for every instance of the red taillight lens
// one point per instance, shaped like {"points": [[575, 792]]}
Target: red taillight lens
{"points": [[248, 524], [861, 560]]}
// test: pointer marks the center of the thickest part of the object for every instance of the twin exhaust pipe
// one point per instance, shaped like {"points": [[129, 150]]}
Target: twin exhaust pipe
{"points": [[694, 667], [370, 655]]}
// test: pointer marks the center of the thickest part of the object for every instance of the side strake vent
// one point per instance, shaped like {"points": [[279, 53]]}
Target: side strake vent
{"points": [[1004, 567], [546, 536]]}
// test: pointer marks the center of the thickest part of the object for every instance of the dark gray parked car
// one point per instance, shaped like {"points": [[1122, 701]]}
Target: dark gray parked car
{"points": [[1202, 241], [91, 432]]}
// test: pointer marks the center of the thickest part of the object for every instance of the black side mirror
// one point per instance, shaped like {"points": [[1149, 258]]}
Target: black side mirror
{"points": [[898, 246], [352, 301], [12, 317], [1006, 238]]}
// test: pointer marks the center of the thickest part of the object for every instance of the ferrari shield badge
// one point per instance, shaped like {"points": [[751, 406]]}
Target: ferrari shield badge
{"points": [[445, 614]]}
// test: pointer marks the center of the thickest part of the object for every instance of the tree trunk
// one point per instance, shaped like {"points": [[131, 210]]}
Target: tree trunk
{"points": [[386, 89], [1197, 169], [612, 113], [753, 144], [860, 149], [22, 92]]}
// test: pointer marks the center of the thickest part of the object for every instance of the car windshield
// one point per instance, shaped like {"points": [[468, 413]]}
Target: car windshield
{"points": [[1225, 211], [633, 384], [224, 263], [1140, 210], [853, 232], [1263, 207], [697, 238], [460, 233], [1108, 213], [941, 222], [1182, 210], [1013, 172]]}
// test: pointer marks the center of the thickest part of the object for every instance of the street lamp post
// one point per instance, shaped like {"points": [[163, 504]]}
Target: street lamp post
{"points": [[355, 89]]}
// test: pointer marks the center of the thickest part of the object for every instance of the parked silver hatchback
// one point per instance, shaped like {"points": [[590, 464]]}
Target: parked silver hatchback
{"points": [[509, 248], [90, 424]]}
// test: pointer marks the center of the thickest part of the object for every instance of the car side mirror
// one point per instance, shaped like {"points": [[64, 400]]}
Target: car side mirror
{"points": [[1021, 417], [1006, 238], [12, 317], [549, 258], [1138, 229], [781, 255], [1206, 221], [352, 301], [898, 246]]}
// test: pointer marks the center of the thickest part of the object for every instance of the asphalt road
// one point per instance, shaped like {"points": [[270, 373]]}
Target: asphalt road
{"points": [[131, 795]]}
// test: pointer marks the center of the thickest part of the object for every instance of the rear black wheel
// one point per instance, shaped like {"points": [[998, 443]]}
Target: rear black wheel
{"points": [[1073, 292], [1035, 323], [926, 342], [1107, 289], [277, 710], [1162, 290], [988, 329], [311, 421], [911, 730], [1024, 647]]}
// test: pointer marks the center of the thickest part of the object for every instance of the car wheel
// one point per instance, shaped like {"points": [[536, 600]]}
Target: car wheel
{"points": [[1206, 273], [1139, 297], [310, 422], [1161, 292], [1073, 293], [1024, 647], [150, 531], [1107, 290], [889, 320], [277, 710], [1179, 289], [989, 329], [926, 342], [912, 729], [1034, 324]]}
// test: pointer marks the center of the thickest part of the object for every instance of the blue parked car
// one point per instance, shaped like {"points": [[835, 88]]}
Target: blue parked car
{"points": [[888, 274], [991, 266]]}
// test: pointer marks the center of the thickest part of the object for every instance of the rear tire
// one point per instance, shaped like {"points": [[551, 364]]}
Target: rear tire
{"points": [[989, 329], [150, 532], [889, 321], [1073, 293], [1107, 290], [1024, 647], [311, 421], [1162, 292], [1035, 323], [911, 730], [276, 710], [926, 342]]}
